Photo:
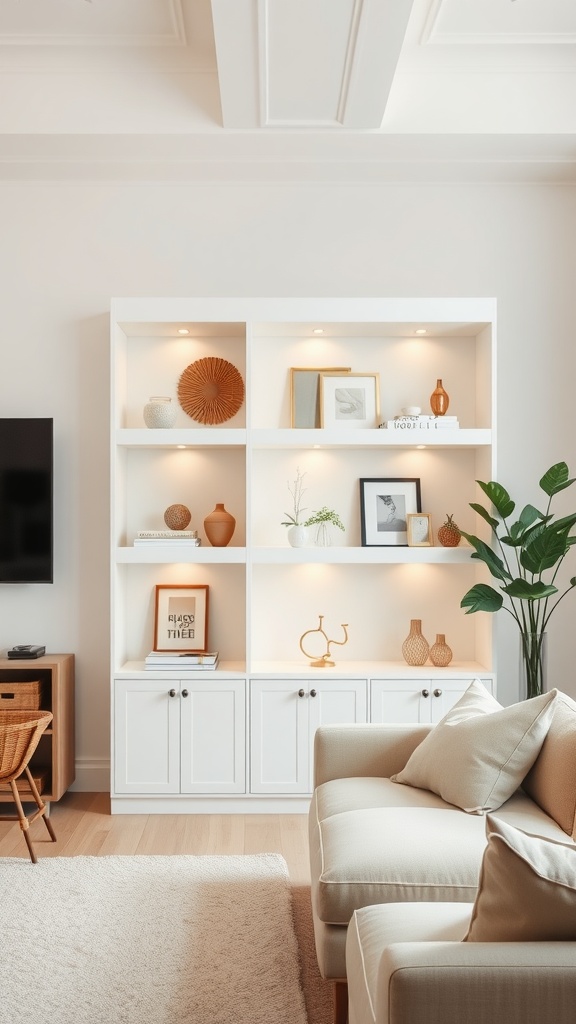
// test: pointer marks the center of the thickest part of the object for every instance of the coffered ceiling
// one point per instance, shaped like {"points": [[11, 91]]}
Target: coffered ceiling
{"points": [[364, 90]]}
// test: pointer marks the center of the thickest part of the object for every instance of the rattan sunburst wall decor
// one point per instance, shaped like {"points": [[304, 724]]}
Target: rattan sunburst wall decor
{"points": [[211, 390]]}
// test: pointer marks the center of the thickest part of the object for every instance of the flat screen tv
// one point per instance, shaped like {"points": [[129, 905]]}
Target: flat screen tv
{"points": [[26, 500]]}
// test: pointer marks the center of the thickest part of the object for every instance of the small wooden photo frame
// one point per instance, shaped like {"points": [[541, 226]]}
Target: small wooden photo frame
{"points": [[350, 400], [181, 617], [419, 529]]}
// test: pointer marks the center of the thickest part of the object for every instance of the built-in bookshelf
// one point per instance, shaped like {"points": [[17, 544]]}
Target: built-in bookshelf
{"points": [[263, 593]]}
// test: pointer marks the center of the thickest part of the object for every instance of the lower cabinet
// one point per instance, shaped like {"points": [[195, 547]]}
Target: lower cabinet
{"points": [[428, 700], [179, 736], [284, 716]]}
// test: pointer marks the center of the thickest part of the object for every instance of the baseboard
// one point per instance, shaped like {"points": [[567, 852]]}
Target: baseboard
{"points": [[92, 776]]}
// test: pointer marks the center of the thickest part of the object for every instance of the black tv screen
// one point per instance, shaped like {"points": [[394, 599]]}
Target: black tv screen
{"points": [[26, 500]]}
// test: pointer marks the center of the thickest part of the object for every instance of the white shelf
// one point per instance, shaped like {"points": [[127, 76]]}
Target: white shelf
{"points": [[362, 556], [161, 554], [377, 438], [138, 670], [398, 670], [202, 437]]}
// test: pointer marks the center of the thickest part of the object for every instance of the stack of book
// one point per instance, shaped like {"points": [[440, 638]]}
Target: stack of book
{"points": [[422, 423], [182, 661], [189, 537]]}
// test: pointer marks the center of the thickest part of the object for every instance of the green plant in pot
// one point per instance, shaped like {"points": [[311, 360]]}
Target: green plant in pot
{"points": [[525, 557]]}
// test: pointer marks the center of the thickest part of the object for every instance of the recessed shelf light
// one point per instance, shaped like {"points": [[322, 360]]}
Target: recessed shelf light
{"points": [[180, 445], [420, 446], [183, 330], [318, 330], [421, 330]]}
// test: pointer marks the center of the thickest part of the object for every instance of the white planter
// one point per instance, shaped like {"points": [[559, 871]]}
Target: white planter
{"points": [[299, 536]]}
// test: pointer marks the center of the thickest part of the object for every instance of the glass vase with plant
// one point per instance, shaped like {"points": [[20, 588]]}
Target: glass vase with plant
{"points": [[324, 518], [521, 554]]}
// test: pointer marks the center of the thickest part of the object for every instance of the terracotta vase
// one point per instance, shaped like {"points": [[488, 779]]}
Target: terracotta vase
{"points": [[415, 647], [219, 527], [439, 400], [440, 653]]}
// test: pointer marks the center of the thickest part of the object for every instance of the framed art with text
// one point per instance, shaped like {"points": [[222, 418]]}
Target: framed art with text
{"points": [[181, 617], [385, 504]]}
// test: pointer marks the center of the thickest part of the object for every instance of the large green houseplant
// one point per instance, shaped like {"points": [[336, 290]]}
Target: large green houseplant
{"points": [[525, 558]]}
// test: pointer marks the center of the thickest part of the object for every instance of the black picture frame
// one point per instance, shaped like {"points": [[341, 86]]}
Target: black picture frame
{"points": [[384, 504]]}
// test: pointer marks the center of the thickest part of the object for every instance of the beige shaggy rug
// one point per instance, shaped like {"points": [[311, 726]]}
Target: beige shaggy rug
{"points": [[148, 940]]}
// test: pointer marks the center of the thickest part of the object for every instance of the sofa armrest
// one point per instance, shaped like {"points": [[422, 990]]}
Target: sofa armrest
{"points": [[476, 982], [360, 751]]}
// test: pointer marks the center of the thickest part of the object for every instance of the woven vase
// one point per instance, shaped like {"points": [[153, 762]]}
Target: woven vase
{"points": [[440, 653], [415, 648], [219, 527]]}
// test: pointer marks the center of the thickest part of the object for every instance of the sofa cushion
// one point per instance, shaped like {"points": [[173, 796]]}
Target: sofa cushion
{"points": [[527, 889], [393, 855], [479, 753], [551, 782]]}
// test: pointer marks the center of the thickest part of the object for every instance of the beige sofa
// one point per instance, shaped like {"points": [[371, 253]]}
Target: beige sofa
{"points": [[378, 837]]}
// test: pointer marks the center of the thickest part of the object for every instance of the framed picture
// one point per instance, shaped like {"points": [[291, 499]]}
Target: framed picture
{"points": [[385, 504], [349, 400], [181, 617], [419, 529], [305, 395]]}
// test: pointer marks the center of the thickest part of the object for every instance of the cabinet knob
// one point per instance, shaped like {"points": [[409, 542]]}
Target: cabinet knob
{"points": [[312, 693], [184, 693], [437, 693], [301, 693], [425, 693], [171, 693]]}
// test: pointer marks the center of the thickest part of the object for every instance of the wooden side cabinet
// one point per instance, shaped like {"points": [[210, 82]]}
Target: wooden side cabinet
{"points": [[53, 762]]}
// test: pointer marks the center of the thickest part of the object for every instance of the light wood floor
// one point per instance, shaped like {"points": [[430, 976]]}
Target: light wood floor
{"points": [[84, 826]]}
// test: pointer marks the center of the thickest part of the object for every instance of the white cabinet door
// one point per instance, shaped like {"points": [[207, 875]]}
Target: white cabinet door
{"points": [[397, 701], [147, 736], [405, 700], [284, 717], [213, 736], [279, 737], [334, 702], [445, 694]]}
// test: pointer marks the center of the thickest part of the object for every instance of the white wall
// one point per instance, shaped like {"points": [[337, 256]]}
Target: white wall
{"points": [[65, 250]]}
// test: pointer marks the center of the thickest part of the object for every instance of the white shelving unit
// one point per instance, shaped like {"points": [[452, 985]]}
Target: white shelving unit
{"points": [[263, 594]]}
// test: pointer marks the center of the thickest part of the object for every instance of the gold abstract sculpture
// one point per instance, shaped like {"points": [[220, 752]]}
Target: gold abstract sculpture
{"points": [[324, 661]]}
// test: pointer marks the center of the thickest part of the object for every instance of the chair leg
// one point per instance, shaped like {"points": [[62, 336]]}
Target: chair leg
{"points": [[340, 1002], [40, 804], [23, 820]]}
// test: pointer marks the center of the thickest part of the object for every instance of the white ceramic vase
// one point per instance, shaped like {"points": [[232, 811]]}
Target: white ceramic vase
{"points": [[299, 536], [160, 412]]}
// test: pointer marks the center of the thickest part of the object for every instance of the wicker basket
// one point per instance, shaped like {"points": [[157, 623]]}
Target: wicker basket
{"points": [[21, 696], [20, 733]]}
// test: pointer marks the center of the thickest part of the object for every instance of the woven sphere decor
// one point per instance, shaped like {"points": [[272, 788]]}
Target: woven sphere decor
{"points": [[211, 390], [177, 517]]}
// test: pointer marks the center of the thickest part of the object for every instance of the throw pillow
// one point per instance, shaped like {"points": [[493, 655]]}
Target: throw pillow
{"points": [[551, 782], [526, 891], [478, 754]]}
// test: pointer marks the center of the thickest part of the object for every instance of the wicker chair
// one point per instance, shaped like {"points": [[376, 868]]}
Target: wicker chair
{"points": [[20, 733]]}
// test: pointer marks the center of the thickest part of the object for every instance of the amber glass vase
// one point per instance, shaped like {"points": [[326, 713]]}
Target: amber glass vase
{"points": [[439, 400]]}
